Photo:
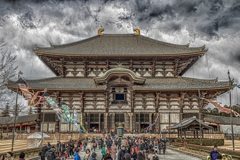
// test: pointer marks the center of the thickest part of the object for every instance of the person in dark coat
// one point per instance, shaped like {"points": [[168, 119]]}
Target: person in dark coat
{"points": [[44, 150], [121, 153], [142, 146], [164, 147], [214, 154], [140, 156], [160, 147], [133, 154]]}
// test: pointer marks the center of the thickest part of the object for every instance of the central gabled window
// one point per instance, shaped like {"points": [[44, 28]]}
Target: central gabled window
{"points": [[119, 97]]}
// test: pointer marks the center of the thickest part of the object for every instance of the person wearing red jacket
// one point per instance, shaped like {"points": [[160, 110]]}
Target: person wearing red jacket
{"points": [[63, 155]]}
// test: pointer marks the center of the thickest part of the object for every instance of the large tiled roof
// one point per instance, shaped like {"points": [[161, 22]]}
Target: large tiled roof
{"points": [[19, 119], [185, 122], [119, 45], [220, 119], [63, 83], [178, 83]]}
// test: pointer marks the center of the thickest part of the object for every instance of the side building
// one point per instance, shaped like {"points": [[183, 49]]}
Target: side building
{"points": [[127, 78]]}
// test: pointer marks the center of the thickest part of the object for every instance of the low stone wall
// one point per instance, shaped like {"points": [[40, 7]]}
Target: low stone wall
{"points": [[67, 136], [140, 135], [64, 136], [209, 136], [171, 135]]}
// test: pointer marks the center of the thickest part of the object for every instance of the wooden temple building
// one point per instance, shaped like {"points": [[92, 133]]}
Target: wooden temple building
{"points": [[127, 78]]}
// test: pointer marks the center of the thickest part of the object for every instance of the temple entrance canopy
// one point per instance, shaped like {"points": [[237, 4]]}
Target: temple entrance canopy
{"points": [[191, 125], [122, 75]]}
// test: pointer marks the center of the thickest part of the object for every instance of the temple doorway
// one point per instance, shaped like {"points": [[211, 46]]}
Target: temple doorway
{"points": [[117, 124], [94, 126], [142, 126]]}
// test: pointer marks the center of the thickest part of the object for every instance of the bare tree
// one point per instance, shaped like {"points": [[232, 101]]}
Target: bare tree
{"points": [[7, 68], [21, 109], [30, 111]]}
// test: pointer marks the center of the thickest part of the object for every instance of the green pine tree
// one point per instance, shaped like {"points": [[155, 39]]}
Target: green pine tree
{"points": [[6, 111]]}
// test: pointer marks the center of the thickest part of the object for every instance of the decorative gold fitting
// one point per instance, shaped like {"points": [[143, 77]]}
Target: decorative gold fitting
{"points": [[100, 31], [137, 31]]}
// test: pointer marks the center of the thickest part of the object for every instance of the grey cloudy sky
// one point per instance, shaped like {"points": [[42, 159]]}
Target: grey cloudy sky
{"points": [[215, 23]]}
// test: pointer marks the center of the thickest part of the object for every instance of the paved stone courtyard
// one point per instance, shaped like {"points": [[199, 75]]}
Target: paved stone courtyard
{"points": [[170, 154]]}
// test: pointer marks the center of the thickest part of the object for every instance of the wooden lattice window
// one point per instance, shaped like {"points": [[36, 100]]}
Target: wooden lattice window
{"points": [[144, 117], [49, 117], [102, 118], [137, 117], [119, 117], [94, 117]]}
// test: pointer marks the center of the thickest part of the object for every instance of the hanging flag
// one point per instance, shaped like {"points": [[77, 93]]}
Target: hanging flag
{"points": [[33, 98], [152, 124], [222, 109], [74, 119], [54, 106], [66, 112], [237, 85]]}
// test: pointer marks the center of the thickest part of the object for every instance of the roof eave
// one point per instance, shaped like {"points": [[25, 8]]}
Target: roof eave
{"points": [[192, 64], [59, 89], [45, 63], [220, 88], [159, 55]]}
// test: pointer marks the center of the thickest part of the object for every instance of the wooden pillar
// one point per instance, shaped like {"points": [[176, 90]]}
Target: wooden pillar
{"points": [[2, 130], [20, 128], [197, 134], [131, 122], [153, 69], [38, 116], [57, 124], [164, 69], [7, 130], [202, 134], [113, 121], [105, 122], [150, 118], [126, 121], [139, 123], [134, 121], [178, 133], [184, 134], [99, 121], [194, 134]]}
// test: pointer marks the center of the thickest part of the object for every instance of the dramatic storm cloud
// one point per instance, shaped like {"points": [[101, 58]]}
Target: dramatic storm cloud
{"points": [[215, 23]]}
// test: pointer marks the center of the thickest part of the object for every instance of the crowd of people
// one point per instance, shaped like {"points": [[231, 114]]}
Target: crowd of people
{"points": [[215, 155], [112, 148], [10, 156], [129, 148], [96, 130]]}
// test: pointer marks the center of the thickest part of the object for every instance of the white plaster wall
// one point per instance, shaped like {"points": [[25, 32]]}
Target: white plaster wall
{"points": [[164, 126], [174, 118], [44, 127], [51, 127], [64, 127], [164, 118]]}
